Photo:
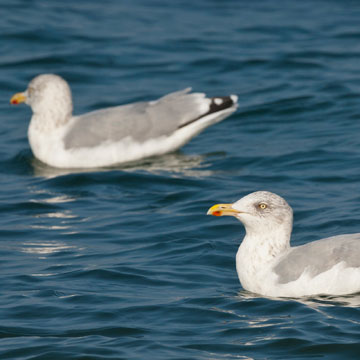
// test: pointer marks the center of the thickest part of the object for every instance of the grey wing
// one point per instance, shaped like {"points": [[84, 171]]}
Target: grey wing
{"points": [[140, 121], [319, 256]]}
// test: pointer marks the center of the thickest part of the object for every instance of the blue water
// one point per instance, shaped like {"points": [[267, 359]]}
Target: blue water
{"points": [[122, 263]]}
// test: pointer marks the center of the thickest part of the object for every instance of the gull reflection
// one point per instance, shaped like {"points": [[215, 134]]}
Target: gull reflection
{"points": [[315, 302], [176, 163], [327, 300]]}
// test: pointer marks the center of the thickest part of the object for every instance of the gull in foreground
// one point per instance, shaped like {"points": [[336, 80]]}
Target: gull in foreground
{"points": [[266, 263], [117, 134]]}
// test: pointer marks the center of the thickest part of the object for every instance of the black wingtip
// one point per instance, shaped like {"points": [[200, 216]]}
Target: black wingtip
{"points": [[219, 103]]}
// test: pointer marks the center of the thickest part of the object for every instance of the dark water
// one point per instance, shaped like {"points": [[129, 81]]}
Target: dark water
{"points": [[123, 263]]}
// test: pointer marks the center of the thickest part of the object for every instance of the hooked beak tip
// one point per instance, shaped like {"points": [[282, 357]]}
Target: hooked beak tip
{"points": [[221, 210], [18, 99]]}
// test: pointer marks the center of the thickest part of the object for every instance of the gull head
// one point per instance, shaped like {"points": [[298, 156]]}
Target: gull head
{"points": [[48, 95], [260, 211]]}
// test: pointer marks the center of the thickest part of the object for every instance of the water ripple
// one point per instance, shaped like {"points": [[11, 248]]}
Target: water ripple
{"points": [[119, 262]]}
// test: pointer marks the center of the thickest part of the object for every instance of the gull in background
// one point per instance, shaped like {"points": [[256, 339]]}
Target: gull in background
{"points": [[117, 134]]}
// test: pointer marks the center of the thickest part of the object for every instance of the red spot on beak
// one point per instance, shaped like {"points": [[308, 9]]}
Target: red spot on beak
{"points": [[216, 213], [14, 102]]}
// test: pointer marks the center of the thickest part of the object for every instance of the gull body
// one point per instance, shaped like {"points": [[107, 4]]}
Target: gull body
{"points": [[117, 134], [266, 263]]}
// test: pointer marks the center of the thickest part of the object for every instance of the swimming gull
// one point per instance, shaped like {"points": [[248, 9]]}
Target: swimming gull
{"points": [[266, 263], [116, 134]]}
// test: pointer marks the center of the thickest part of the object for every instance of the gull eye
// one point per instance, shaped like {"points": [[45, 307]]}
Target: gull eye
{"points": [[262, 206]]}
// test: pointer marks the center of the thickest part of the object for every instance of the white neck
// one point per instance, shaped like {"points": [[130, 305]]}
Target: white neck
{"points": [[258, 252], [48, 120]]}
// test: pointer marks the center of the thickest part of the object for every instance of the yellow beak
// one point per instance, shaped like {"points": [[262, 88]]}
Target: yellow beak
{"points": [[222, 210], [18, 98]]}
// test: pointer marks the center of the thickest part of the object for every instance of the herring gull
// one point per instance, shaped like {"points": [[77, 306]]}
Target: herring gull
{"points": [[266, 263], [117, 134]]}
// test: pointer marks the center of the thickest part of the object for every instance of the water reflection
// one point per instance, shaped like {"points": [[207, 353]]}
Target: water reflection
{"points": [[228, 356], [61, 215], [45, 248], [327, 300], [51, 198], [61, 219], [176, 163], [314, 302]]}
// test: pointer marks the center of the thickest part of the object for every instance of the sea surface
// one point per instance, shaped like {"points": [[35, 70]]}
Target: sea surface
{"points": [[123, 263]]}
